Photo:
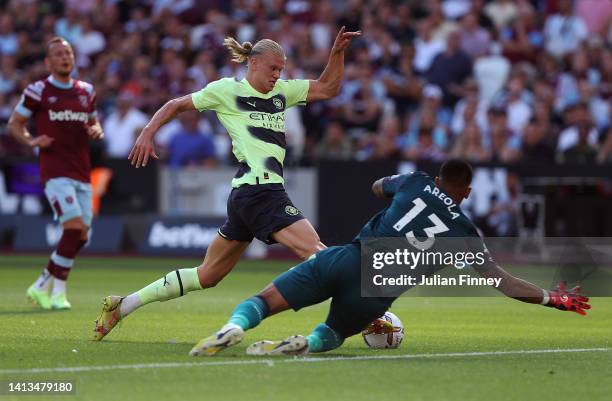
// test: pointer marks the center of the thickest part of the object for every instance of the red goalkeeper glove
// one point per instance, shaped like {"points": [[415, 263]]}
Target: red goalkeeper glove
{"points": [[568, 300]]}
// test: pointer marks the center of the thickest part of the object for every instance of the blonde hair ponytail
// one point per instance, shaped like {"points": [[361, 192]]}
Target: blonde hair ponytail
{"points": [[241, 52]]}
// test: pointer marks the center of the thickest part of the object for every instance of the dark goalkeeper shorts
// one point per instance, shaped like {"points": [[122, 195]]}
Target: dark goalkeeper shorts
{"points": [[333, 273], [258, 211]]}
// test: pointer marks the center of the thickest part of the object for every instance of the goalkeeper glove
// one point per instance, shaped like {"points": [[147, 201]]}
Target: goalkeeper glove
{"points": [[568, 300]]}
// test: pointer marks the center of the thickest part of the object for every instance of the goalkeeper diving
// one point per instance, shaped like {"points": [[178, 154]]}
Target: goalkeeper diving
{"points": [[335, 272]]}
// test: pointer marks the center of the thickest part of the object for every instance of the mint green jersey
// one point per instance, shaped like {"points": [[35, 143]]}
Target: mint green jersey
{"points": [[255, 122]]}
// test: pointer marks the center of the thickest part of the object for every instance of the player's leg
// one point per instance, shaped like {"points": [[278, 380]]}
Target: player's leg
{"points": [[62, 195], [301, 238], [79, 224], [269, 213], [245, 316], [304, 285], [349, 314], [221, 257]]}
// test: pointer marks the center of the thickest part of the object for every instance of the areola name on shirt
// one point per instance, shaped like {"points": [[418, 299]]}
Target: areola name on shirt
{"points": [[448, 202]]}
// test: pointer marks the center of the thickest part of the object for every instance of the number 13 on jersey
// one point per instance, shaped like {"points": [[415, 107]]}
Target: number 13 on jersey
{"points": [[437, 228]]}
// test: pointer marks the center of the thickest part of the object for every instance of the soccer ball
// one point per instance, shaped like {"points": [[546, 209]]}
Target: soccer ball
{"points": [[377, 337]]}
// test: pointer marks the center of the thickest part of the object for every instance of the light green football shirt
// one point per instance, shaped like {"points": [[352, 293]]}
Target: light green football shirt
{"points": [[255, 122]]}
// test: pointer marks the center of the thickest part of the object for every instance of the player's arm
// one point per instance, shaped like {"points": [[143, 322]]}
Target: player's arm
{"points": [[17, 126], [386, 187], [377, 188], [94, 129], [144, 146], [328, 84], [514, 287]]}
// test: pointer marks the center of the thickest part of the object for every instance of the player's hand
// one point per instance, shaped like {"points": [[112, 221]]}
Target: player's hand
{"points": [[343, 40], [94, 131], [568, 300], [41, 141], [142, 150]]}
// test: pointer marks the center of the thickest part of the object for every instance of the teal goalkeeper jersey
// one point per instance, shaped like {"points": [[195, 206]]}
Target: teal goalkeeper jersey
{"points": [[255, 122]]}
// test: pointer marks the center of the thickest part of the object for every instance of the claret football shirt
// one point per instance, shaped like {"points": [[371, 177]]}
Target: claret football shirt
{"points": [[61, 111]]}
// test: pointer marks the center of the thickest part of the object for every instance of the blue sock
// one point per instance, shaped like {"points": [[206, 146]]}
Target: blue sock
{"points": [[249, 313], [324, 338]]}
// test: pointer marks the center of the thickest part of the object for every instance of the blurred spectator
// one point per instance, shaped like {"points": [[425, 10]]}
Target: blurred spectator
{"points": [[442, 27], [504, 146], [396, 73], [535, 148], [515, 99], [449, 69], [501, 12], [521, 40], [387, 142], [605, 153], [8, 39], [335, 145], [469, 146], [599, 108], [564, 31], [363, 99], [425, 147], [579, 129], [567, 85], [123, 126], [426, 47], [429, 116], [401, 84], [190, 146], [90, 42], [68, 26], [9, 76], [582, 151], [469, 110], [475, 40]]}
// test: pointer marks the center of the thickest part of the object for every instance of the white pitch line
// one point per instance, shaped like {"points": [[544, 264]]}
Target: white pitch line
{"points": [[271, 362]]}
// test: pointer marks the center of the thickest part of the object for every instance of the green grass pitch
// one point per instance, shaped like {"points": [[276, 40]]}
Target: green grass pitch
{"points": [[454, 349]]}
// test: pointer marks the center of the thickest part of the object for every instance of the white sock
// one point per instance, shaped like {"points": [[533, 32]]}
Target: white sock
{"points": [[59, 286], [129, 304], [43, 281]]}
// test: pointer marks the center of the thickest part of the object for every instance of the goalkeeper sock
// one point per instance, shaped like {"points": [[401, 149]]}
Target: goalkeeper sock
{"points": [[324, 338], [249, 313], [173, 285]]}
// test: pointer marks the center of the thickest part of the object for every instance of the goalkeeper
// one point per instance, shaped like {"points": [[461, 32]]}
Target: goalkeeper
{"points": [[418, 202]]}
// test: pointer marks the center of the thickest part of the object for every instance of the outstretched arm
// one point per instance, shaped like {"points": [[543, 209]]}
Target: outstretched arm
{"points": [[562, 299], [328, 84], [144, 146]]}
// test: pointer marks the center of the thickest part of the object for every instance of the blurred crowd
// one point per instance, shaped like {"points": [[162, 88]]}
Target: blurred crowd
{"points": [[489, 81]]}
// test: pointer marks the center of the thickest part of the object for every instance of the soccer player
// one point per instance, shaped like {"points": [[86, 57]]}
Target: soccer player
{"points": [[253, 112], [419, 205], [64, 113]]}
